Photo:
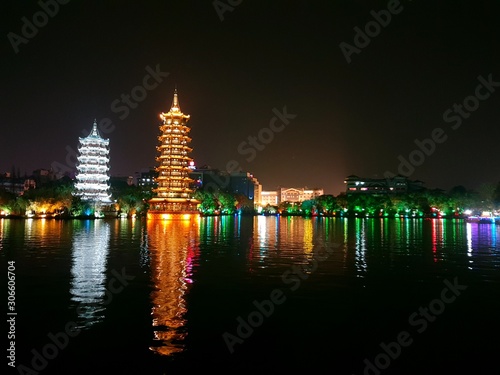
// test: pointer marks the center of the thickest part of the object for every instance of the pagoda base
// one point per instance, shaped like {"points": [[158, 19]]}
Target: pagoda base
{"points": [[172, 209]]}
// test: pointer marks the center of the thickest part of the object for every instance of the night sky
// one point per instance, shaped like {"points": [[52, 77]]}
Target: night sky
{"points": [[351, 118]]}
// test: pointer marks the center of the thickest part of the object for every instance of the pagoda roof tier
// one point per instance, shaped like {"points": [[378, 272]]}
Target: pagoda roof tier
{"points": [[182, 137], [174, 115], [183, 147], [173, 158], [168, 167], [171, 193], [172, 200], [175, 110], [173, 178], [182, 126], [173, 151]]}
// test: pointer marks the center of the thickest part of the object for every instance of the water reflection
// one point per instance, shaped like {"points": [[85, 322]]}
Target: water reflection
{"points": [[482, 246], [389, 242], [279, 241], [4, 230], [482, 236], [360, 260], [174, 250], [90, 252]]}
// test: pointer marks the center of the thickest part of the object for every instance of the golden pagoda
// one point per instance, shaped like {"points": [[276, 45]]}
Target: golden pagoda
{"points": [[173, 194]]}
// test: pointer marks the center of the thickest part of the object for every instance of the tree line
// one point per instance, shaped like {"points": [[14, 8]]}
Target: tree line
{"points": [[57, 198]]}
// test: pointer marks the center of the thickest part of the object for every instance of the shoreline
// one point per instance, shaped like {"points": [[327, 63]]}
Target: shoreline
{"points": [[468, 219]]}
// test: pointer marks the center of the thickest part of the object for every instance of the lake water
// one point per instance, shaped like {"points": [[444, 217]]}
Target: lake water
{"points": [[247, 294]]}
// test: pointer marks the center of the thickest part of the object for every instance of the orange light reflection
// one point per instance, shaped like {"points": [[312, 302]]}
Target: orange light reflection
{"points": [[174, 245]]}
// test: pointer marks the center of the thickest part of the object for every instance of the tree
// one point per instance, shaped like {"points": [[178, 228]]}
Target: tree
{"points": [[462, 198], [227, 202], [132, 199], [342, 201], [244, 204], [287, 208], [327, 204], [496, 196], [487, 196], [208, 202], [308, 207], [9, 203]]}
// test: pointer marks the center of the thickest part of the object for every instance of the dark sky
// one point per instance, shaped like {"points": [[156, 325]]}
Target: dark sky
{"points": [[351, 118]]}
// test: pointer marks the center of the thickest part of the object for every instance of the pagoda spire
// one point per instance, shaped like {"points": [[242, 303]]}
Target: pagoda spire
{"points": [[175, 103], [94, 131]]}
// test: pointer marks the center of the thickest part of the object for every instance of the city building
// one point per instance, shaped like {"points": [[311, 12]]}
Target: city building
{"points": [[147, 180], [292, 195], [209, 179], [92, 176], [173, 193], [246, 184], [380, 186], [15, 185], [118, 183], [297, 194], [213, 180], [43, 176], [269, 197]]}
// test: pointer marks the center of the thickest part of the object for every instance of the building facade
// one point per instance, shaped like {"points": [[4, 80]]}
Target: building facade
{"points": [[297, 194], [292, 195], [16, 185], [381, 186], [246, 184], [269, 197], [147, 180], [213, 180]]}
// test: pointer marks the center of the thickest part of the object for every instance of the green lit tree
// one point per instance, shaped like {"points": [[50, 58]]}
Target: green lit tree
{"points": [[227, 202], [208, 203], [327, 204], [286, 207], [307, 207]]}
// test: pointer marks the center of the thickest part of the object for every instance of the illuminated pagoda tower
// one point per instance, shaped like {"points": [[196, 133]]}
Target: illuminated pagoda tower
{"points": [[173, 194], [92, 177]]}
